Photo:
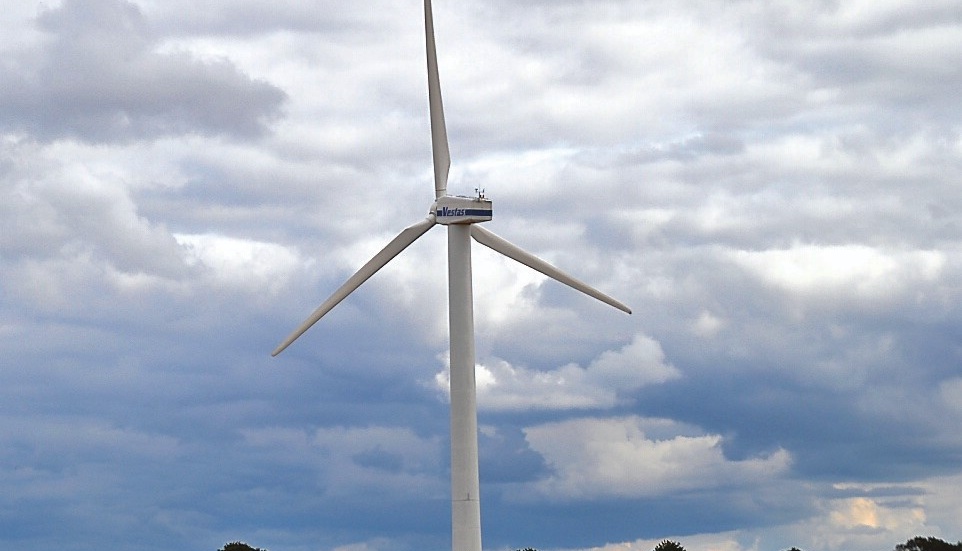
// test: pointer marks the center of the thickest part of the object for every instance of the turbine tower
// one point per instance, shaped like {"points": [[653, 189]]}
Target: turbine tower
{"points": [[461, 215]]}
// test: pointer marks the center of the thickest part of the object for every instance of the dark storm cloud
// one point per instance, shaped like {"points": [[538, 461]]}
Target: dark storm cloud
{"points": [[99, 77]]}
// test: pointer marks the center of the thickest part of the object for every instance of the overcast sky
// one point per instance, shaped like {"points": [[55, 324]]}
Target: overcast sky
{"points": [[772, 186]]}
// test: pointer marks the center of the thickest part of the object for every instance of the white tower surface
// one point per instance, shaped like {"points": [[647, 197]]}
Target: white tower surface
{"points": [[461, 215]]}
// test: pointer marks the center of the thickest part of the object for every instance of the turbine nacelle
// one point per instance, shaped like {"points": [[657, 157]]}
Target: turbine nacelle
{"points": [[458, 209]]}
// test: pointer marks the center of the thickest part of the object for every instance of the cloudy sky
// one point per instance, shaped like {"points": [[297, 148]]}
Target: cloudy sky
{"points": [[772, 186]]}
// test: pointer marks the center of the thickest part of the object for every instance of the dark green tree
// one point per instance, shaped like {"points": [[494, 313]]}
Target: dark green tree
{"points": [[239, 546], [919, 543], [668, 545]]}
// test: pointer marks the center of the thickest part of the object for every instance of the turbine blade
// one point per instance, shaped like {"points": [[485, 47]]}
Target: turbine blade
{"points": [[489, 239], [439, 134], [398, 244]]}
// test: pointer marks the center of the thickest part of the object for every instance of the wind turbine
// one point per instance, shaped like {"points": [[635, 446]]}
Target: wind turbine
{"points": [[461, 215]]}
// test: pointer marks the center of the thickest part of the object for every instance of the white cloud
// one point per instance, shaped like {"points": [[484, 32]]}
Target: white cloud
{"points": [[942, 506], [606, 382], [707, 325], [100, 55], [635, 457], [950, 392], [726, 541], [373, 545], [81, 204], [863, 512], [243, 263], [863, 520], [846, 272], [838, 523]]}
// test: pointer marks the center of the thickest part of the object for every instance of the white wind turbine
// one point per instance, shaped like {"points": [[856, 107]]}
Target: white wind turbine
{"points": [[460, 214]]}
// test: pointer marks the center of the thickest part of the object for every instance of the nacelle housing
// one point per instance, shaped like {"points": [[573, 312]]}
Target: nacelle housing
{"points": [[457, 209]]}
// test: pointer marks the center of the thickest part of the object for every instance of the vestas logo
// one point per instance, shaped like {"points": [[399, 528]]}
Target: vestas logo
{"points": [[447, 211]]}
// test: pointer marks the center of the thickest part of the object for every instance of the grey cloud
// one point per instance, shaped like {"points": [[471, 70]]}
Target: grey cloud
{"points": [[99, 78], [783, 222], [898, 56], [89, 218], [251, 17]]}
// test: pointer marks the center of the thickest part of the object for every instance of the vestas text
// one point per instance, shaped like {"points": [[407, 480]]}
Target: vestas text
{"points": [[447, 211]]}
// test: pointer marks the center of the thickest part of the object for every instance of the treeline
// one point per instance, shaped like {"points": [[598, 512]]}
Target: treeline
{"points": [[918, 543]]}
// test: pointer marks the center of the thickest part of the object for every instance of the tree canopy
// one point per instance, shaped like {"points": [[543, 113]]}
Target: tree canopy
{"points": [[919, 543], [668, 545], [239, 546]]}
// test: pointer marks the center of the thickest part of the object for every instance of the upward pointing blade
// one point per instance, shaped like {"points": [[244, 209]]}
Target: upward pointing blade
{"points": [[510, 250], [439, 134], [392, 249]]}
